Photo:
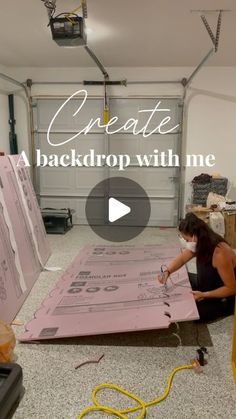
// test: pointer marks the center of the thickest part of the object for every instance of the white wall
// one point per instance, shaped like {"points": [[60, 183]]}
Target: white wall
{"points": [[211, 123], [211, 129], [21, 111], [21, 116], [210, 117]]}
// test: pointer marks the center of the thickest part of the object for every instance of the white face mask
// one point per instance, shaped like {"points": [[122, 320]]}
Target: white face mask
{"points": [[192, 246]]}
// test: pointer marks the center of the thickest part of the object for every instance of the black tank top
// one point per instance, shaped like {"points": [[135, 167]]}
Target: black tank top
{"points": [[208, 277]]}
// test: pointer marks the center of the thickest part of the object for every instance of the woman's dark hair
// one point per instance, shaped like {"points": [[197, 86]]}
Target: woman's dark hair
{"points": [[207, 239]]}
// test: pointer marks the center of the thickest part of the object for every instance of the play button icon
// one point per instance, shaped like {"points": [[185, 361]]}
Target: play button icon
{"points": [[117, 209]]}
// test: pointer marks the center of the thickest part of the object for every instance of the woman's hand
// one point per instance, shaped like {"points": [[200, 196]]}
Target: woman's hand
{"points": [[198, 295], [163, 276]]}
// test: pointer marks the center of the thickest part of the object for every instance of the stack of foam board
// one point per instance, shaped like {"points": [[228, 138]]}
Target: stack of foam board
{"points": [[111, 289], [24, 248]]}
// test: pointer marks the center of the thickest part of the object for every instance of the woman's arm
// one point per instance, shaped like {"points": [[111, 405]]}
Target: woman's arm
{"points": [[180, 260], [176, 264], [222, 261]]}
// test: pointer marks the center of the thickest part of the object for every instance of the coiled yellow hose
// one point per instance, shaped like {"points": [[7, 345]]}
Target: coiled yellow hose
{"points": [[142, 405]]}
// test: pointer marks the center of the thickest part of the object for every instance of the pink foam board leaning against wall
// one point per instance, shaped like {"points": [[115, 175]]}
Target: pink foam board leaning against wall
{"points": [[110, 289], [12, 283], [20, 258], [31, 208]]}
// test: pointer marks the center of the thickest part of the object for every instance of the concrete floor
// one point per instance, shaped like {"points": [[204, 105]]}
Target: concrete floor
{"points": [[140, 362]]}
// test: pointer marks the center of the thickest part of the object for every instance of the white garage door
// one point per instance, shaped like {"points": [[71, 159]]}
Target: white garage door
{"points": [[60, 187]]}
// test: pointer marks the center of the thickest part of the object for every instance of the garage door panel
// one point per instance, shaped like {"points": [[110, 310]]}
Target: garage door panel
{"points": [[156, 182], [46, 110], [124, 190], [65, 119], [169, 109], [56, 180], [125, 144], [87, 178], [138, 145], [159, 142], [80, 204], [92, 109], [163, 213], [81, 144], [69, 181], [125, 109], [85, 143]]}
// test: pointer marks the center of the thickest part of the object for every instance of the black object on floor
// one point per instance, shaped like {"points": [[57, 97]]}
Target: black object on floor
{"points": [[57, 221], [10, 388]]}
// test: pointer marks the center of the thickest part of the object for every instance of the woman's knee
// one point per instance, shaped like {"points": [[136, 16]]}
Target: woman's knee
{"points": [[212, 309]]}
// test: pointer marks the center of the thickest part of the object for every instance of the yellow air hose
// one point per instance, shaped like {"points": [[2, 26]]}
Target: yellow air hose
{"points": [[142, 405]]}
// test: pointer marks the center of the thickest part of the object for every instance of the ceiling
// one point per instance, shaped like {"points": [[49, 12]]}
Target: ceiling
{"points": [[122, 33]]}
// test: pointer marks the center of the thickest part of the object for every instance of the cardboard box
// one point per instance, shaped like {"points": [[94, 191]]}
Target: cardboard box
{"points": [[200, 211], [230, 228]]}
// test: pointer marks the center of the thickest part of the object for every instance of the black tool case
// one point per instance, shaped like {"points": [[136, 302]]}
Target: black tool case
{"points": [[11, 389], [57, 221]]}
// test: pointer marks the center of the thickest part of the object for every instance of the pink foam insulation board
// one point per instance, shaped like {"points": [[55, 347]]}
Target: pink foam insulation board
{"points": [[23, 242], [32, 209], [111, 289]]}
